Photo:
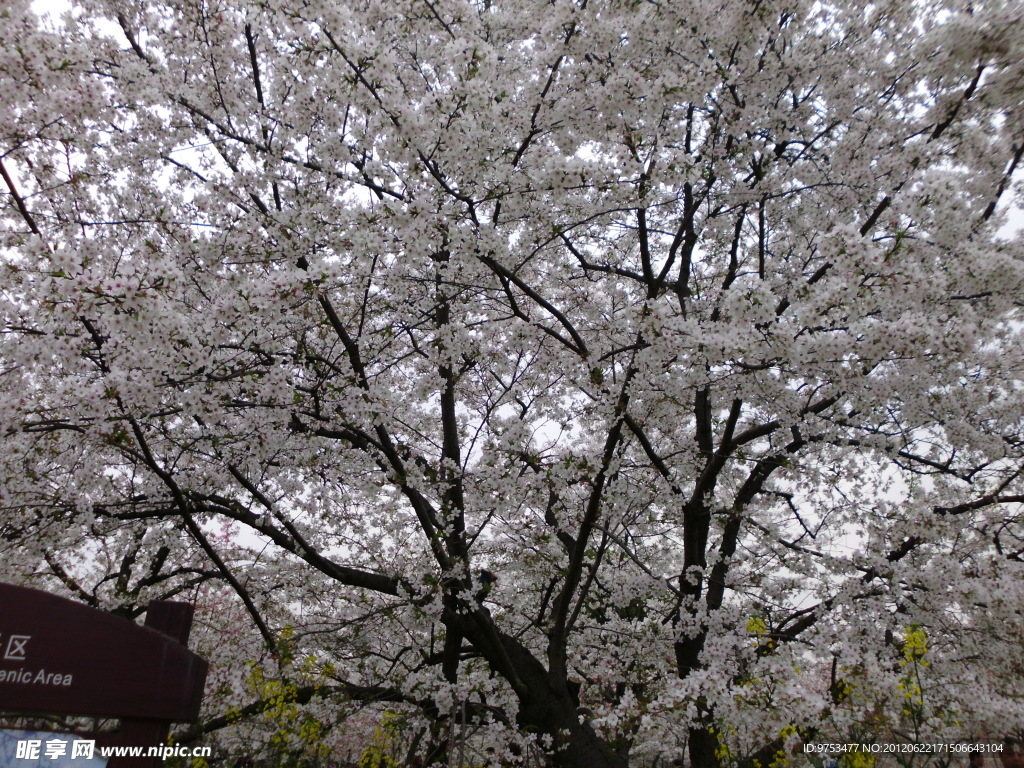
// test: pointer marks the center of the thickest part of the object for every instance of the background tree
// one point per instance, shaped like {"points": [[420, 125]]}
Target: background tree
{"points": [[690, 323]]}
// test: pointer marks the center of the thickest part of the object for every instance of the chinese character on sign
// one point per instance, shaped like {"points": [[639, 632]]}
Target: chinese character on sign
{"points": [[56, 748], [83, 749], [16, 647], [28, 750]]}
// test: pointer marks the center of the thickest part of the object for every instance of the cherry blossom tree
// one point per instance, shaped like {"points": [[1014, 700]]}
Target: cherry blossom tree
{"points": [[609, 379]]}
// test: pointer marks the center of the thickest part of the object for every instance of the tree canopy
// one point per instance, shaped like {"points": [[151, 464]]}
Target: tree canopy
{"points": [[619, 380]]}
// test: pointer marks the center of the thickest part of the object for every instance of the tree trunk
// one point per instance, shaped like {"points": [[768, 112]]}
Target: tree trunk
{"points": [[701, 743], [701, 748], [546, 705]]}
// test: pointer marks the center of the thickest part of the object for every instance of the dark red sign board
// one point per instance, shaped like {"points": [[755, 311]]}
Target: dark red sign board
{"points": [[57, 655]]}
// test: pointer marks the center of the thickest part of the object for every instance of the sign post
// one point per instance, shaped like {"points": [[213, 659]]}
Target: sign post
{"points": [[61, 657]]}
